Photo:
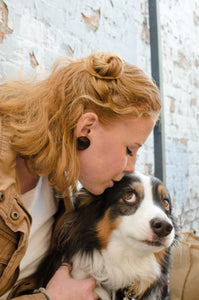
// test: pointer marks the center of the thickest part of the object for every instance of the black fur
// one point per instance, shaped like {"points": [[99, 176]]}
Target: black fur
{"points": [[78, 233]]}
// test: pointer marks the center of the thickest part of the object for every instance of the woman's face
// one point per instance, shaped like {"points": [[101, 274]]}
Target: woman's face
{"points": [[112, 151]]}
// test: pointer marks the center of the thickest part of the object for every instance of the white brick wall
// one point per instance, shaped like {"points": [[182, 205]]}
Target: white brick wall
{"points": [[39, 31], [180, 61], [64, 27]]}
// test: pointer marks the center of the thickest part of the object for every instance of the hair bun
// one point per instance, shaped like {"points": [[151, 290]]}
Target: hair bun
{"points": [[105, 65]]}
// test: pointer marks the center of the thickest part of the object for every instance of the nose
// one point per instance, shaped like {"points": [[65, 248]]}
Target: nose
{"points": [[130, 165], [161, 227]]}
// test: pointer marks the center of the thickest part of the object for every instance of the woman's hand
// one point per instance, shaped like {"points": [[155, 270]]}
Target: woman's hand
{"points": [[63, 287]]}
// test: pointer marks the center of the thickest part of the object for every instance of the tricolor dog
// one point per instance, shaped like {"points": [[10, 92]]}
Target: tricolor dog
{"points": [[122, 238]]}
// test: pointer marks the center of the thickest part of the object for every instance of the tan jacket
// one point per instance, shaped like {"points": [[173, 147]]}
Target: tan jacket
{"points": [[15, 220]]}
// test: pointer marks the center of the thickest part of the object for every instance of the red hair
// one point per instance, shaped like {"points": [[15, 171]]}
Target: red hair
{"points": [[44, 114]]}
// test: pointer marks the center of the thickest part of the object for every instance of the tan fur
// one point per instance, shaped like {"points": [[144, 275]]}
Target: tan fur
{"points": [[162, 191], [160, 256], [105, 227], [139, 189]]}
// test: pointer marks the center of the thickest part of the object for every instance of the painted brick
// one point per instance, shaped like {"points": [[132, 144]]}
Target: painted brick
{"points": [[179, 31], [33, 34]]}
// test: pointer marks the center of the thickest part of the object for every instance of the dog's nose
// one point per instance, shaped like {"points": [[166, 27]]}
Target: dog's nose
{"points": [[160, 227]]}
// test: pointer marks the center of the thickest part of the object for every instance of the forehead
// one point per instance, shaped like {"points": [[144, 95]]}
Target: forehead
{"points": [[143, 124], [131, 132]]}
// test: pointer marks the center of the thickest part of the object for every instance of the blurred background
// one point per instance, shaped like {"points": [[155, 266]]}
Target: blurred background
{"points": [[161, 37]]}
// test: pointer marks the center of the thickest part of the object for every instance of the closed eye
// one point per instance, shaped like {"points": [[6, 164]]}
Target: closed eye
{"points": [[129, 152], [133, 149]]}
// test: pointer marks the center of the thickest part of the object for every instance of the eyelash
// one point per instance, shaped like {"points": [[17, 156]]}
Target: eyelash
{"points": [[129, 152]]}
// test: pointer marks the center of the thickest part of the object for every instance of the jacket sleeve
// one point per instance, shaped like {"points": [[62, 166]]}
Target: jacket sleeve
{"points": [[14, 218]]}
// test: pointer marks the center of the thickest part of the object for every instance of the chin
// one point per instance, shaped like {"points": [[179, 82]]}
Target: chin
{"points": [[98, 192], [95, 189]]}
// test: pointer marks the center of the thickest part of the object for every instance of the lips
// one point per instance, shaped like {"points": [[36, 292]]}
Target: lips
{"points": [[111, 184], [152, 243]]}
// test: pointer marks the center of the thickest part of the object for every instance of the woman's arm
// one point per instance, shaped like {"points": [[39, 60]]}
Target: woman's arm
{"points": [[63, 287]]}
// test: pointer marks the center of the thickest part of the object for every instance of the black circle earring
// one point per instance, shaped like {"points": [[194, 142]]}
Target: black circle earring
{"points": [[82, 143]]}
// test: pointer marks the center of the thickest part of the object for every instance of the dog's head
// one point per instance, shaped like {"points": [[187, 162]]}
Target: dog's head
{"points": [[138, 208], [129, 228]]}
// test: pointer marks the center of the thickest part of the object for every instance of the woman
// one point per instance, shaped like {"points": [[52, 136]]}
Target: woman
{"points": [[85, 122]]}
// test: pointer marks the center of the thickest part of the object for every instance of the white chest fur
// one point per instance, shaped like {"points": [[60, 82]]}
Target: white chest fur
{"points": [[116, 267]]}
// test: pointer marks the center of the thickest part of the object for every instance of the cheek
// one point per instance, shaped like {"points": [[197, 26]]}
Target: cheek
{"points": [[123, 161], [118, 161], [86, 165]]}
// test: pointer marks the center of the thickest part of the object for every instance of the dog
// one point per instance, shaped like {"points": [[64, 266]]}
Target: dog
{"points": [[122, 238]]}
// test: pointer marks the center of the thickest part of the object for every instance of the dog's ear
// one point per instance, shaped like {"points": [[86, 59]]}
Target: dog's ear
{"points": [[84, 198]]}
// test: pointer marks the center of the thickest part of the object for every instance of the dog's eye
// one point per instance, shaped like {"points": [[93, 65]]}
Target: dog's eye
{"points": [[130, 197], [166, 204]]}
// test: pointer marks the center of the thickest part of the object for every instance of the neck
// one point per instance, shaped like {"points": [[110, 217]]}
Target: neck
{"points": [[26, 179]]}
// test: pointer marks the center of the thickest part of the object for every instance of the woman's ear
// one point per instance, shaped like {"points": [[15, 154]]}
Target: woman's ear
{"points": [[86, 123]]}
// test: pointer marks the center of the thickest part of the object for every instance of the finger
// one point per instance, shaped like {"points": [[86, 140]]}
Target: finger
{"points": [[63, 271], [92, 285], [92, 282]]}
